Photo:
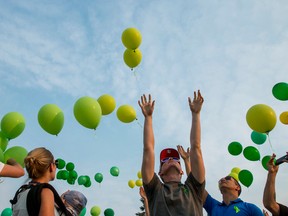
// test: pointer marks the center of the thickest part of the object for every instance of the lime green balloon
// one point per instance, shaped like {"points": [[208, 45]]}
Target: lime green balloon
{"points": [[235, 148], [126, 113], [83, 212], [12, 124], [18, 153], [114, 171], [109, 212], [61, 163], [234, 175], [3, 141], [251, 153], [87, 112], [98, 177], [258, 138], [107, 103], [245, 177], [131, 38], [1, 156], [139, 182], [7, 212], [261, 118], [132, 58], [51, 118], [235, 170], [95, 211], [280, 91]]}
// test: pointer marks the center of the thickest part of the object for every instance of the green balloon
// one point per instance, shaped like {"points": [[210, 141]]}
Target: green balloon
{"points": [[265, 160], [98, 177], [82, 180], [280, 91], [12, 124], [18, 153], [245, 177], [87, 112], [251, 153], [51, 118], [235, 148], [7, 212], [258, 138], [3, 141], [61, 163], [95, 211], [109, 212], [83, 212], [73, 174], [70, 166], [114, 171]]}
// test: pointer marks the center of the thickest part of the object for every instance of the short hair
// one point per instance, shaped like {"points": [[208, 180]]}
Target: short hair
{"points": [[38, 161]]}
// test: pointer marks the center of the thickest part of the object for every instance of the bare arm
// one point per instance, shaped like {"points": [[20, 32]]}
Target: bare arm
{"points": [[196, 159], [185, 155], [269, 195], [47, 203], [12, 169], [143, 195], [148, 161]]}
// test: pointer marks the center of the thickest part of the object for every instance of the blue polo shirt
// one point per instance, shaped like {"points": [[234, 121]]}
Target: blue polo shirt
{"points": [[237, 207]]}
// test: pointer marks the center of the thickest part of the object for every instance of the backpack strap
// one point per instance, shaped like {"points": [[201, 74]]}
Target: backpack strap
{"points": [[33, 201], [21, 189]]}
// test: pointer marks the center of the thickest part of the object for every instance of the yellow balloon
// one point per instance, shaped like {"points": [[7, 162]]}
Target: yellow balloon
{"points": [[132, 58], [284, 117], [87, 112], [139, 175], [234, 175], [107, 103], [261, 118], [126, 113], [236, 170], [131, 183], [131, 38], [139, 182]]}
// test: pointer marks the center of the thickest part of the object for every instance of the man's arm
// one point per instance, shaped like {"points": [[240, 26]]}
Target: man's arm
{"points": [[196, 159], [148, 161], [12, 169], [269, 195]]}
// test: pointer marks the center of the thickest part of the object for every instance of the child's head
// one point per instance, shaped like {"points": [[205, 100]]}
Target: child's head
{"points": [[74, 201]]}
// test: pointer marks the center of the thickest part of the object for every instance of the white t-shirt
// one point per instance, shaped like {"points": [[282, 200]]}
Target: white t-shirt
{"points": [[1, 166]]}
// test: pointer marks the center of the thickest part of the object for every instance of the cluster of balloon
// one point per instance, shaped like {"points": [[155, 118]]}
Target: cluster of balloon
{"points": [[114, 171], [7, 212], [51, 118], [131, 39], [96, 211], [138, 182], [68, 174], [126, 113], [88, 112]]}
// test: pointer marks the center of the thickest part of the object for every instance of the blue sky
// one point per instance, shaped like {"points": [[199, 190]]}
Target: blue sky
{"points": [[58, 51]]}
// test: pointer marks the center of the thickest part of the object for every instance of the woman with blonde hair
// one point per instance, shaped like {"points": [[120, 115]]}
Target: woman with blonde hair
{"points": [[38, 197]]}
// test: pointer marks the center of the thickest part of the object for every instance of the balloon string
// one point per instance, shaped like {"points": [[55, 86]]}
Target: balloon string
{"points": [[139, 123], [137, 81], [270, 142]]}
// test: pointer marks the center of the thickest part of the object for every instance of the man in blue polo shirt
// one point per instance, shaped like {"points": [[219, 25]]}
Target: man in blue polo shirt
{"points": [[231, 204]]}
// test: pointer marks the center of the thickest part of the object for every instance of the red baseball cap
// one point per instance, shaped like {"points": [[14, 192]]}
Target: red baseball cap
{"points": [[168, 153]]}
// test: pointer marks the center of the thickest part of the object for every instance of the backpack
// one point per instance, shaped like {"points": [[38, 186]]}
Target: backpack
{"points": [[33, 201]]}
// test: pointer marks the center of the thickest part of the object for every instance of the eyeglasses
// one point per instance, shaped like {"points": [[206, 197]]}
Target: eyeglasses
{"points": [[228, 178], [170, 158], [56, 162]]}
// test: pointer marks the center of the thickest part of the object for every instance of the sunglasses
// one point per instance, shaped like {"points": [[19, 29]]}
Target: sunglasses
{"points": [[56, 162], [169, 158]]}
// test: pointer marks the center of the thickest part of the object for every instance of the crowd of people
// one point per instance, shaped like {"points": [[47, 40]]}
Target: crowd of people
{"points": [[163, 194]]}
